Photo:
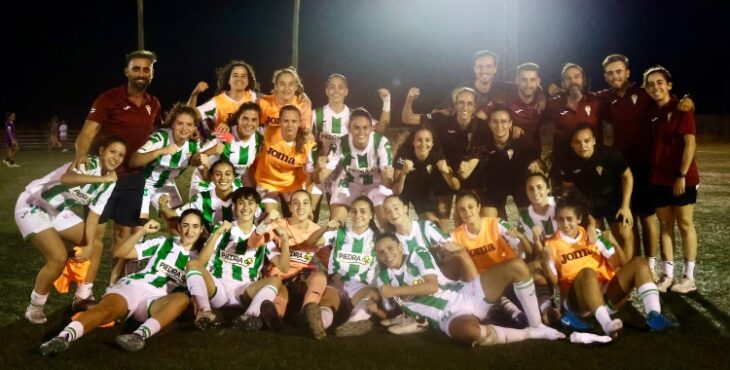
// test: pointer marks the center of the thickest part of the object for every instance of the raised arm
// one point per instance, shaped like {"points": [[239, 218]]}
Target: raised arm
{"points": [[407, 115], [126, 249], [384, 121]]}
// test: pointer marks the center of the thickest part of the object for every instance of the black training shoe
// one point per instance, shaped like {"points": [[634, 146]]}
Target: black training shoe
{"points": [[54, 346], [248, 322], [271, 317]]}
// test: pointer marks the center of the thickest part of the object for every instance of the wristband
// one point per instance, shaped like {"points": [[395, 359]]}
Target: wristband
{"points": [[261, 228], [681, 175], [386, 104]]}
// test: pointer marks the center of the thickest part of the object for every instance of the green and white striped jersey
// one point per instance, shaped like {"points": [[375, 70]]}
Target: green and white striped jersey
{"points": [[423, 234], [166, 267], [416, 266], [528, 219], [361, 166], [164, 169], [328, 125], [240, 153], [50, 195], [353, 255], [233, 260], [214, 209]]}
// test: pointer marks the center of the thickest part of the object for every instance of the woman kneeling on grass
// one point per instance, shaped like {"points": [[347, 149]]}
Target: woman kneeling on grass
{"points": [[43, 215], [147, 296], [595, 278], [454, 307]]}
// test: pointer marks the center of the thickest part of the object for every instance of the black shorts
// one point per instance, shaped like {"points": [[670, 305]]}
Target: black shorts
{"points": [[125, 202], [642, 201], [664, 197], [495, 195], [421, 204]]}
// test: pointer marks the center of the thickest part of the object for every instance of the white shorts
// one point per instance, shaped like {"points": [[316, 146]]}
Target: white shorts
{"points": [[469, 301], [227, 292], [351, 287], [344, 196], [139, 296], [32, 220], [151, 195]]}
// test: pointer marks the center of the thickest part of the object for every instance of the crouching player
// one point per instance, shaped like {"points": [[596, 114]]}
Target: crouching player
{"points": [[147, 296], [595, 278], [454, 307], [232, 273]]}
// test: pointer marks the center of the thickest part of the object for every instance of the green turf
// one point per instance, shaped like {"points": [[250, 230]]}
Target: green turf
{"points": [[699, 343]]}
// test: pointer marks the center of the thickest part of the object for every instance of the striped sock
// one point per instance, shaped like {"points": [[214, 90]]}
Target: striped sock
{"points": [[267, 293], [525, 292], [650, 297], [74, 330], [148, 328]]}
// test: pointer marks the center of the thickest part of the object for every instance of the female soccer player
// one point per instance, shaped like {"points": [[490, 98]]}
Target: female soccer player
{"points": [[284, 159], [366, 163], [596, 278], [165, 155], [351, 269], [147, 296], [419, 166], [674, 177], [228, 272], [43, 215], [288, 90], [454, 307], [236, 85], [241, 151]]}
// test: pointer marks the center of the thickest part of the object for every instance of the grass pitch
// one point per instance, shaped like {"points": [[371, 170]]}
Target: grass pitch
{"points": [[699, 342]]}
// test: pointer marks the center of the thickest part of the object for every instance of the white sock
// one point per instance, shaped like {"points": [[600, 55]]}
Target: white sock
{"points": [[74, 330], [525, 291], [360, 312], [148, 328], [650, 296], [668, 268], [196, 287], [603, 317], [83, 291], [267, 293], [689, 269], [327, 316], [38, 300], [652, 263]]}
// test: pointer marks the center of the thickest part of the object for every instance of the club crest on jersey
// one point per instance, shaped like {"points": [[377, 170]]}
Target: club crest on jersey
{"points": [[634, 98], [518, 111], [510, 153], [599, 170], [429, 168], [171, 271], [149, 109], [588, 110]]}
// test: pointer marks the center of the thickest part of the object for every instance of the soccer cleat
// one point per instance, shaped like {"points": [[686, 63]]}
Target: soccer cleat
{"points": [[684, 286], [206, 320], [398, 320], [409, 326], [54, 346], [544, 332], [354, 328], [271, 317], [613, 328], [248, 322], [659, 322], [314, 320], [35, 315], [664, 283], [130, 342], [82, 304], [571, 321]]}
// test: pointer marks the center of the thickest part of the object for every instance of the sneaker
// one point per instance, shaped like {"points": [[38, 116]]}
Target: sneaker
{"points": [[410, 326], [613, 328], [54, 346], [684, 286], [206, 320], [551, 316], [130, 342], [82, 304], [398, 320], [571, 321], [664, 283], [271, 317], [659, 322], [354, 328], [544, 332], [35, 315], [248, 322], [14, 165], [314, 320]]}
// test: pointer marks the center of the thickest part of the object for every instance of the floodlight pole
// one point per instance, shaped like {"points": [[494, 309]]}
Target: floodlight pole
{"points": [[295, 36], [140, 24]]}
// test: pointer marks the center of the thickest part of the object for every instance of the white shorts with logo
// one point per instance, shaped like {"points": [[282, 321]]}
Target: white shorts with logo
{"points": [[151, 195], [344, 196], [32, 220], [469, 301], [227, 293], [139, 296]]}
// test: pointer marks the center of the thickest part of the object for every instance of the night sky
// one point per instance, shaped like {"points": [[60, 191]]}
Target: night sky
{"points": [[59, 56]]}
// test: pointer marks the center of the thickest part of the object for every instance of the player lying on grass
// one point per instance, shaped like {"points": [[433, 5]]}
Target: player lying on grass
{"points": [[595, 278], [43, 215], [351, 270], [456, 307], [149, 296], [228, 272]]}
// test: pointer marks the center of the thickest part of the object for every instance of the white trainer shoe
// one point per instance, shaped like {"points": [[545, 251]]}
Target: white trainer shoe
{"points": [[664, 283], [684, 286], [409, 326]]}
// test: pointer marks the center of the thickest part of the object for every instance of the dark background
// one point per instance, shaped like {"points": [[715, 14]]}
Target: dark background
{"points": [[59, 56]]}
